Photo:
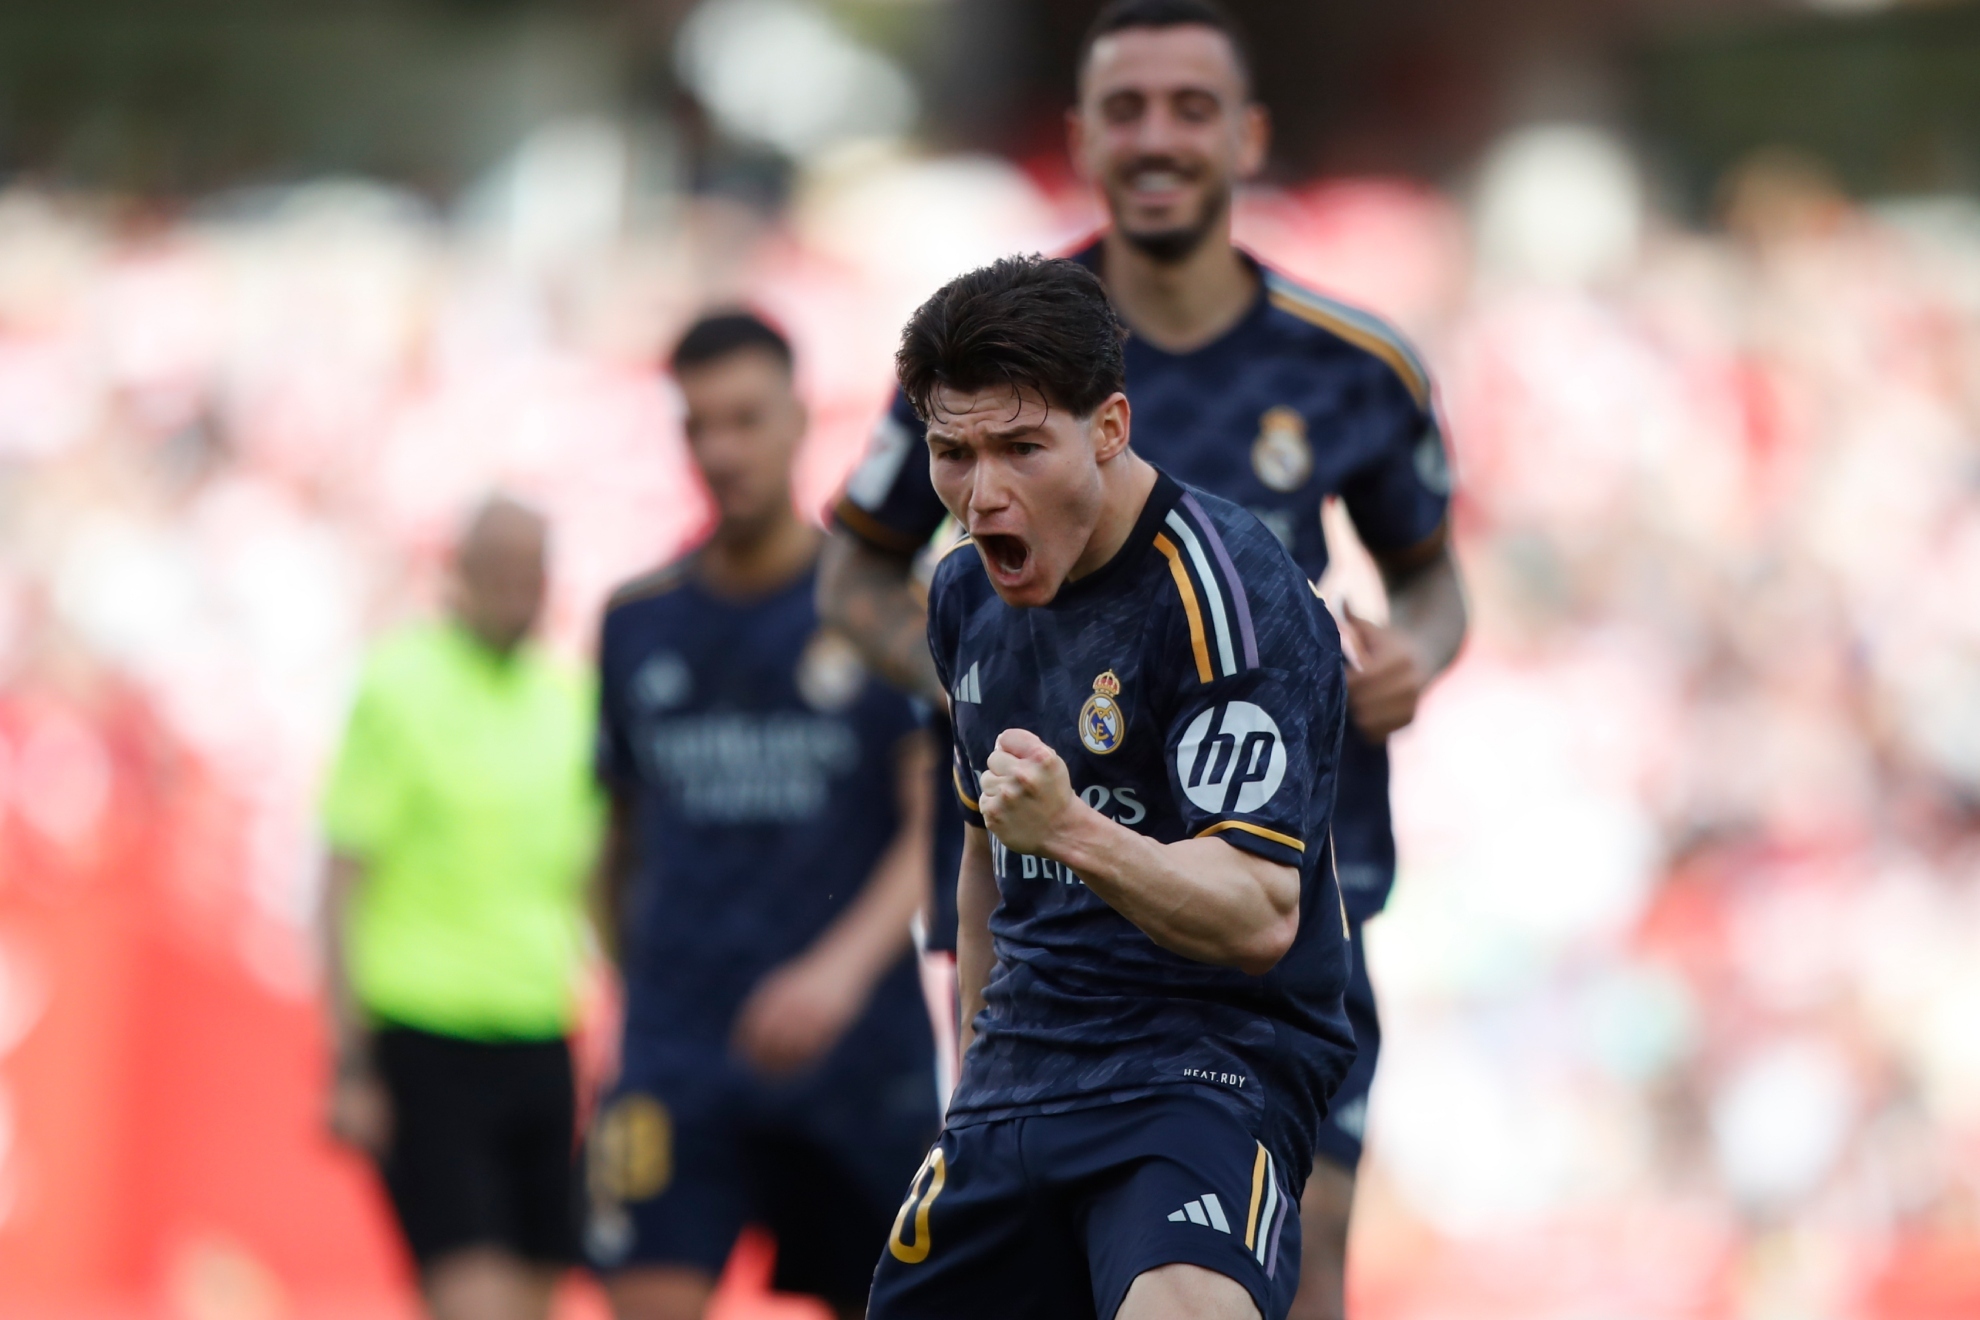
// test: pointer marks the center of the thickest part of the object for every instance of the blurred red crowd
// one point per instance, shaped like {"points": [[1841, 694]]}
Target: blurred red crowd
{"points": [[1682, 969]]}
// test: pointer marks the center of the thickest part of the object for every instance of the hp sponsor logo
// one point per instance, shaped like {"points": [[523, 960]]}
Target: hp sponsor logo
{"points": [[1231, 758]]}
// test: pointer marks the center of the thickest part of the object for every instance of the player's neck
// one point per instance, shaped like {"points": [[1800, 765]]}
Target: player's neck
{"points": [[1180, 306], [755, 559], [1127, 481]]}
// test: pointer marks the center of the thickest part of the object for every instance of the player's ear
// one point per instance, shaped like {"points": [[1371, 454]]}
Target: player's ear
{"points": [[1109, 427], [1255, 130]]}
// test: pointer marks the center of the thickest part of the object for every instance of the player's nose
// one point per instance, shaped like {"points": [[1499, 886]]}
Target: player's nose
{"points": [[1158, 133], [989, 492]]}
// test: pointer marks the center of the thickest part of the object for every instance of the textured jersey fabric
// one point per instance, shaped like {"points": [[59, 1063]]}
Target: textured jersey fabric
{"points": [[1194, 687], [1303, 398], [463, 784], [759, 758]]}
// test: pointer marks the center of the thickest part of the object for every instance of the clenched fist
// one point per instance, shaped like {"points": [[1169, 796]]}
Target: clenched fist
{"points": [[1027, 794], [1384, 687]]}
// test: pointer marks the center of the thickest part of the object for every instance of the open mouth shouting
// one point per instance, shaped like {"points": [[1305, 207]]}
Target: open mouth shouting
{"points": [[1006, 557]]}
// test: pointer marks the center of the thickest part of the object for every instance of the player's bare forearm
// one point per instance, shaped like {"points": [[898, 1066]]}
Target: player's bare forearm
{"points": [[350, 1033], [1426, 604], [798, 1013], [612, 876], [1395, 663], [359, 1112], [1201, 898], [870, 936], [976, 899], [867, 594]]}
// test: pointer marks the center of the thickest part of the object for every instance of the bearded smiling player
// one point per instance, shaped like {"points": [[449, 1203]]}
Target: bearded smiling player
{"points": [[1251, 387]]}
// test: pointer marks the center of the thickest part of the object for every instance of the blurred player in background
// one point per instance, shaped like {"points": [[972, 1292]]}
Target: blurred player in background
{"points": [[1251, 387], [463, 821], [769, 847], [1148, 705]]}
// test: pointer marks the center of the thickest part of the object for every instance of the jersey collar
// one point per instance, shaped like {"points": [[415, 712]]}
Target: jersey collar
{"points": [[1094, 257], [1165, 495]]}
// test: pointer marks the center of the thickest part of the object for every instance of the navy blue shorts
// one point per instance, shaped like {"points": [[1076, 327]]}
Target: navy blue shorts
{"points": [[1054, 1216], [1339, 1138], [680, 1159]]}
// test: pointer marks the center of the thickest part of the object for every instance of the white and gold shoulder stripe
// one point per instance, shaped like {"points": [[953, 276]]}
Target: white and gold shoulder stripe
{"points": [[1365, 331]]}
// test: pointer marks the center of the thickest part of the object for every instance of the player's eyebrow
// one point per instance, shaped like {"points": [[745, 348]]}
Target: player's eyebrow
{"points": [[1143, 93], [1005, 433]]}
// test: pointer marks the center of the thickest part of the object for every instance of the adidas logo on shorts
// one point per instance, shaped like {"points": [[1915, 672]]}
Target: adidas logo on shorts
{"points": [[1207, 1211]]}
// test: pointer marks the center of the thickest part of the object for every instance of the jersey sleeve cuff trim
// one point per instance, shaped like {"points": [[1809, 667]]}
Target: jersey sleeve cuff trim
{"points": [[1283, 840], [962, 794], [872, 531]]}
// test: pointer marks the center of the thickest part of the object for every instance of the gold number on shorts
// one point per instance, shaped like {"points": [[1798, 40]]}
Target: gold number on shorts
{"points": [[632, 1150], [917, 1251]]}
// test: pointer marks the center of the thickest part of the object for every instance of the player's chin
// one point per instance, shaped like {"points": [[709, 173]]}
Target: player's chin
{"points": [[1138, 215]]}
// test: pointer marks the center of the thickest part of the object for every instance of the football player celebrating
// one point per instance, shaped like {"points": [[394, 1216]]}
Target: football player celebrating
{"points": [[1148, 705], [1246, 385]]}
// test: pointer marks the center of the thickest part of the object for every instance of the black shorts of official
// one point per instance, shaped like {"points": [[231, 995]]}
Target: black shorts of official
{"points": [[681, 1159], [482, 1144], [1339, 1138], [1055, 1216]]}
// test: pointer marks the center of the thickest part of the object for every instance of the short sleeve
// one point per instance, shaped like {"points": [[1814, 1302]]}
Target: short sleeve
{"points": [[1243, 767], [890, 503], [363, 799], [612, 759], [891, 715], [1400, 498], [967, 788], [944, 633], [1257, 702]]}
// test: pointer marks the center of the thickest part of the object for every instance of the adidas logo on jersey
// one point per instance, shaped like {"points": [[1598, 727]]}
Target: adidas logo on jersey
{"points": [[1207, 1211], [970, 689]]}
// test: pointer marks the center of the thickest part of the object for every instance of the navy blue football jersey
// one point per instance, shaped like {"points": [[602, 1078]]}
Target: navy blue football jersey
{"points": [[1194, 687], [759, 757], [1304, 398]]}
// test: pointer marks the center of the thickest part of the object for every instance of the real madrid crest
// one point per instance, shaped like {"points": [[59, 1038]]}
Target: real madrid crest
{"points": [[829, 673], [1101, 724], [1280, 455]]}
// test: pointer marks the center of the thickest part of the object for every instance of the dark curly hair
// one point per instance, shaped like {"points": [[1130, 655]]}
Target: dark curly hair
{"points": [[1036, 324]]}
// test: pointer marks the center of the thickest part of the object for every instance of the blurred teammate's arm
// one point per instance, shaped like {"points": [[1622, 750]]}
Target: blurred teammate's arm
{"points": [[612, 876], [360, 1112], [868, 594], [1425, 629], [976, 899], [798, 1012], [1426, 601]]}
